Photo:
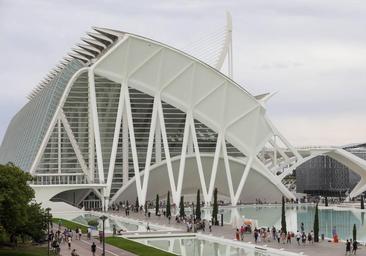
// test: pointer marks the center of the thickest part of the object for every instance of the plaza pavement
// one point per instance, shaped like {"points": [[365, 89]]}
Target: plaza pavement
{"points": [[323, 248]]}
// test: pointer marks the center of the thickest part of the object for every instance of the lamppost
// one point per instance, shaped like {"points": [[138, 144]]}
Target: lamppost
{"points": [[48, 230], [103, 218]]}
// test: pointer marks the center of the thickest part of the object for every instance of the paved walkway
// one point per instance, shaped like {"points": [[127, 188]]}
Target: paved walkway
{"points": [[323, 248], [83, 248]]}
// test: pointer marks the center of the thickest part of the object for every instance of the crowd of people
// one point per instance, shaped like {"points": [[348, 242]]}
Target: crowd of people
{"points": [[272, 234]]}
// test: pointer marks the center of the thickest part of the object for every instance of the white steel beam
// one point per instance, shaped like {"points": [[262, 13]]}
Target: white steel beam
{"points": [[74, 144], [93, 101], [198, 157], [133, 142], [182, 160], [242, 180], [117, 129], [59, 145], [227, 170], [149, 150], [166, 148], [214, 166]]}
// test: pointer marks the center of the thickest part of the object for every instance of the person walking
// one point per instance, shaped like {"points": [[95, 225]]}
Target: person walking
{"points": [[93, 248], [69, 242], [210, 225], [354, 247], [348, 248], [237, 235], [298, 236]]}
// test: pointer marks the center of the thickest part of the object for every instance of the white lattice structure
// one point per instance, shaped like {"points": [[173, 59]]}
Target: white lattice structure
{"points": [[124, 106]]}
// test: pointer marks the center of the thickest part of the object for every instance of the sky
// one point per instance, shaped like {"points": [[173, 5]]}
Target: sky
{"points": [[311, 52]]}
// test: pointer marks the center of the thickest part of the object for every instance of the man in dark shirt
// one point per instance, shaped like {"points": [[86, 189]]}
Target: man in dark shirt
{"points": [[354, 247], [93, 248], [348, 247]]}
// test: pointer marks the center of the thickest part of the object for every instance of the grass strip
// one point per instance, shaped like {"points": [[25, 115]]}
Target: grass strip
{"points": [[135, 247], [70, 224], [24, 251]]}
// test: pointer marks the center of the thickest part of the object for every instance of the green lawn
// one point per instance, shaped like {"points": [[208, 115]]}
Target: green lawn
{"points": [[135, 247], [70, 224], [24, 251]]}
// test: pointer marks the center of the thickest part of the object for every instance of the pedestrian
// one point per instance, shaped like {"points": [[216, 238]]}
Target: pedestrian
{"points": [[302, 227], [74, 253], [77, 233], [310, 238], [303, 238], [289, 237], [210, 225], [255, 235], [354, 247], [298, 236], [348, 247], [69, 242], [100, 236], [148, 227], [89, 233], [242, 232], [93, 248], [80, 233], [237, 235]]}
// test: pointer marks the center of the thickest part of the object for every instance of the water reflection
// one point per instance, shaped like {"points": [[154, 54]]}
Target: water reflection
{"points": [[268, 216], [188, 246]]}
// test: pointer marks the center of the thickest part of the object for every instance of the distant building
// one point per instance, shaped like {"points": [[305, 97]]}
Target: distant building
{"points": [[325, 176]]}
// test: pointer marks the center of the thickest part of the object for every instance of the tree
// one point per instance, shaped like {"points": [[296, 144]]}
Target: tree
{"points": [[157, 205], [181, 207], [168, 213], [137, 206], [326, 201], [283, 216], [316, 224], [198, 208], [362, 202], [354, 232], [215, 209], [145, 208], [18, 216]]}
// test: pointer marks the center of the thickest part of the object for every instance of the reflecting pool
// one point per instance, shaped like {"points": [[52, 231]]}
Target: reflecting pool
{"points": [[342, 220], [203, 246]]}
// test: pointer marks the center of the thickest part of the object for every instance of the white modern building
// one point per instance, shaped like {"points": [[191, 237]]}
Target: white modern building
{"points": [[126, 116]]}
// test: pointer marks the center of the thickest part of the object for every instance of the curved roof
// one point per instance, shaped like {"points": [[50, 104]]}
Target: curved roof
{"points": [[190, 85]]}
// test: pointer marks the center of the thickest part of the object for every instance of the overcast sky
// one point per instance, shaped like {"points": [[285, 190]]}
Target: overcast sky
{"points": [[312, 52]]}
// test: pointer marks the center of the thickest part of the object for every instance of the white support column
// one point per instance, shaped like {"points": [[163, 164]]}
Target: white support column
{"points": [[274, 152], [149, 150], [198, 157], [166, 150], [93, 101], [158, 143], [59, 145], [242, 180], [117, 129], [227, 170], [91, 141], [182, 160], [214, 166], [133, 143], [125, 147]]}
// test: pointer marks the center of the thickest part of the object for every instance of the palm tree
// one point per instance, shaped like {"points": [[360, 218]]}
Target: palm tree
{"points": [[215, 209], [283, 216], [181, 207], [168, 214], [157, 205], [316, 224]]}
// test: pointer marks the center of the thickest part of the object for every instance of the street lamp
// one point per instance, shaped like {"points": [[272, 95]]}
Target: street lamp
{"points": [[103, 218], [48, 230]]}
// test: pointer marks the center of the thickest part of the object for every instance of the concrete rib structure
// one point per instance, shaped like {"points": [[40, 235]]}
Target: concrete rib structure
{"points": [[124, 106]]}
